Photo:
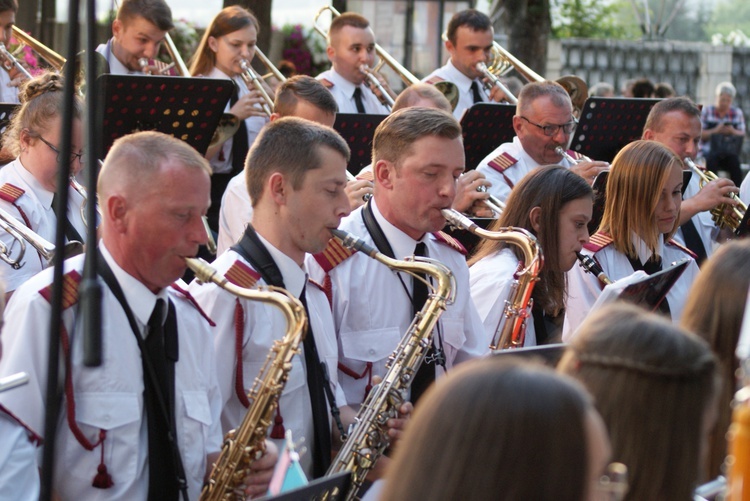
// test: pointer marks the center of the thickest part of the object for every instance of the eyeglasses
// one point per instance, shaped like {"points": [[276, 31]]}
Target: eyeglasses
{"points": [[551, 130], [613, 485], [73, 156]]}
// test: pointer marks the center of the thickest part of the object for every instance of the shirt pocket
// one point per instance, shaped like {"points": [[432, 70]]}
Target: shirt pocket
{"points": [[119, 414], [370, 346], [194, 430], [454, 338]]}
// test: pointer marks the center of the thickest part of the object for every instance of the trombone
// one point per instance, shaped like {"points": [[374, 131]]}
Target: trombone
{"points": [[9, 62], [253, 80]]}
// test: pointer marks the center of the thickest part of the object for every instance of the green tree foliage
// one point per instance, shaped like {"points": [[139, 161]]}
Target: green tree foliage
{"points": [[591, 19], [730, 15]]}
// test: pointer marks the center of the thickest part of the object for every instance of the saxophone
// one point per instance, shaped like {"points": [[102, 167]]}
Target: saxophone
{"points": [[369, 438], [247, 442], [511, 331]]}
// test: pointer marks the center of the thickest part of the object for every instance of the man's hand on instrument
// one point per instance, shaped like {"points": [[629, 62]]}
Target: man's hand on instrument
{"points": [[468, 194], [245, 106], [497, 95], [715, 193], [396, 426], [261, 470], [358, 191], [589, 170]]}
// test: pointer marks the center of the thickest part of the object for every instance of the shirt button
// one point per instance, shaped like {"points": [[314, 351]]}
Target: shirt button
{"points": [[106, 418], [372, 352]]}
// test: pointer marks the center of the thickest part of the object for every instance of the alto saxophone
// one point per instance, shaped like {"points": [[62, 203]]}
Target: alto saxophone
{"points": [[369, 438], [511, 331], [247, 442]]}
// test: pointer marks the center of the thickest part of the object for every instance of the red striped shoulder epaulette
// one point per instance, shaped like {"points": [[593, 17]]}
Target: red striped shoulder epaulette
{"points": [[70, 289], [333, 255], [367, 175], [598, 241], [687, 251], [242, 275], [575, 154], [189, 297], [10, 193], [502, 162], [451, 242], [434, 80], [326, 83]]}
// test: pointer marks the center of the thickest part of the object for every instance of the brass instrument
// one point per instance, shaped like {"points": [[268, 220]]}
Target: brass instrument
{"points": [[492, 80], [6, 252], [369, 439], [253, 80], [493, 203], [511, 331], [717, 213], [144, 62], [564, 153], [350, 177], [591, 266], [9, 62], [246, 443], [42, 246], [53, 58], [272, 69], [82, 191]]}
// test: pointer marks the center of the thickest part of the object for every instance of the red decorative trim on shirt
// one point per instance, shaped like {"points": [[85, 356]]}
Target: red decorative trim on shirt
{"points": [[195, 304], [367, 372], [598, 241], [239, 330], [333, 255], [575, 154], [451, 242], [242, 275], [69, 289], [501, 163], [10, 193], [33, 437], [326, 83], [684, 249]]}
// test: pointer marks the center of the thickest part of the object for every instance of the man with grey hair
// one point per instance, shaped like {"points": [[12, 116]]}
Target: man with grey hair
{"points": [[144, 424], [543, 123]]}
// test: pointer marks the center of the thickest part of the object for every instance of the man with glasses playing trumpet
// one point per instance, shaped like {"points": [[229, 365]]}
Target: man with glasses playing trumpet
{"points": [[543, 123], [29, 183], [10, 79], [351, 50]]}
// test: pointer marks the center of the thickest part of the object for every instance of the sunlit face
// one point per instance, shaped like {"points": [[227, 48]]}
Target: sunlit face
{"points": [[234, 47], [471, 47], [135, 38], [599, 453], [316, 208], [164, 225], [539, 147], [670, 198], [40, 158], [573, 233], [7, 20], [349, 49], [422, 185], [679, 132]]}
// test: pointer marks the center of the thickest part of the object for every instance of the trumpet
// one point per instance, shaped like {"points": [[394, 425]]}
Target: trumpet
{"points": [[21, 233], [564, 153], [493, 203], [253, 80], [717, 213], [9, 62]]}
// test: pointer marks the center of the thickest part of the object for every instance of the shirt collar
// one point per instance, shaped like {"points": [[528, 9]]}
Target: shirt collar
{"points": [[644, 253], [345, 85], [462, 81], [42, 194], [294, 277], [140, 299], [115, 66], [401, 243]]}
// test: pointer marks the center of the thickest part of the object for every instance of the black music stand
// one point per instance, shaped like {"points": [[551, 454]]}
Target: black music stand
{"points": [[358, 129], [186, 108], [744, 228], [485, 127], [607, 124], [330, 488], [6, 112]]}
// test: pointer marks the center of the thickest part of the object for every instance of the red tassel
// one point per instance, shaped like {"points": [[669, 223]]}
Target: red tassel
{"points": [[278, 430], [103, 480]]}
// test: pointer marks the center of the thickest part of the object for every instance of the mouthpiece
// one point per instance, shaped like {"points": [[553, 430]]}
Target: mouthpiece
{"points": [[353, 242], [458, 220], [591, 266]]}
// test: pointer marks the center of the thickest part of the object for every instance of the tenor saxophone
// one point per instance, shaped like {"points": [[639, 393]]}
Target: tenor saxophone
{"points": [[511, 330], [369, 438], [247, 442]]}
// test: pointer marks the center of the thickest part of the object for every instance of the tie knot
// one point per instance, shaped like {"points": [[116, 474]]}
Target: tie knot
{"points": [[420, 249], [357, 92], [157, 315]]}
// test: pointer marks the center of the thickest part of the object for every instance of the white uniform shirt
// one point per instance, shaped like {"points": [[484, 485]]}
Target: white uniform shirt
{"points": [[450, 73], [343, 93], [265, 324], [115, 66], [705, 226], [372, 311], [525, 164], [491, 281], [745, 190], [221, 162], [110, 397], [8, 94], [236, 211], [584, 288], [19, 475], [36, 203]]}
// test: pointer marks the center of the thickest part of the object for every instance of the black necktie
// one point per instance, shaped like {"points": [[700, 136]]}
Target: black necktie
{"points": [[693, 241], [653, 265], [475, 92], [358, 100], [426, 373], [162, 478], [315, 385], [70, 232], [240, 144]]}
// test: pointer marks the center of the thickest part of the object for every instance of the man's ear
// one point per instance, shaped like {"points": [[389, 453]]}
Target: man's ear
{"points": [[384, 172], [116, 208], [277, 187], [117, 28], [535, 216]]}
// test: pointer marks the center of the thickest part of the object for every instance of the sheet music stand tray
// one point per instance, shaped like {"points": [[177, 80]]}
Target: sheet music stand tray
{"points": [[485, 126], [330, 488], [6, 112], [184, 107], [358, 129], [607, 124]]}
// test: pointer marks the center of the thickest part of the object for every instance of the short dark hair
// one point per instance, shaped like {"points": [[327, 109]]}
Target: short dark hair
{"points": [[156, 12], [643, 87], [660, 109], [306, 88], [347, 19], [6, 5], [289, 145], [472, 18]]}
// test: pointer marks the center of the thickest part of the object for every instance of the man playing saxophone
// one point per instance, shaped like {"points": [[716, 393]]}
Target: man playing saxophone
{"points": [[417, 158]]}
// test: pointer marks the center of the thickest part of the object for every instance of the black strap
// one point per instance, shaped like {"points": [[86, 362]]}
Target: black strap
{"points": [[151, 379], [358, 100], [475, 92], [252, 249], [653, 265], [693, 241], [70, 232], [240, 143]]}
